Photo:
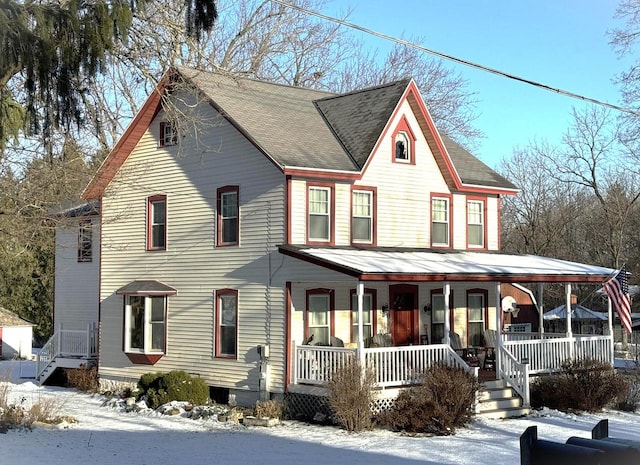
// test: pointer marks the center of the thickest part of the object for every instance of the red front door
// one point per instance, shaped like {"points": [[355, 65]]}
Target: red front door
{"points": [[404, 314]]}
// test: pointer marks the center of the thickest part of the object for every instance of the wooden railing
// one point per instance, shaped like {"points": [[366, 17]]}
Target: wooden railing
{"points": [[68, 343], [393, 366], [515, 373]]}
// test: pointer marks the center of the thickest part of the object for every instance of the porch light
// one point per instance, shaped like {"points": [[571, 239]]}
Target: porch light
{"points": [[427, 309]]}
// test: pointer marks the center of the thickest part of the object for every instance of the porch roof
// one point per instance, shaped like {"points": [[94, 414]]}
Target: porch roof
{"points": [[405, 264]]}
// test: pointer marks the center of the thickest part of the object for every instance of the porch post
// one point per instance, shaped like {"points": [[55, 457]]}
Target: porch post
{"points": [[360, 295], [541, 309], [613, 343], [496, 349], [447, 327], [568, 308]]}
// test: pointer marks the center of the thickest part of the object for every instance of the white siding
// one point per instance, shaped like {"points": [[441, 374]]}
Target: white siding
{"points": [[16, 341], [76, 283]]}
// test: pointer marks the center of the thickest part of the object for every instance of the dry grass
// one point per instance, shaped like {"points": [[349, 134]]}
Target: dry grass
{"points": [[269, 409]]}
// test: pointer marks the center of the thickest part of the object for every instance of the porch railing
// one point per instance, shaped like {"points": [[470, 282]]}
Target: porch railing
{"points": [[548, 355], [68, 343], [515, 373], [393, 366]]}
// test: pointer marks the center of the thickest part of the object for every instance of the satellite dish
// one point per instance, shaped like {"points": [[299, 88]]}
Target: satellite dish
{"points": [[508, 304]]}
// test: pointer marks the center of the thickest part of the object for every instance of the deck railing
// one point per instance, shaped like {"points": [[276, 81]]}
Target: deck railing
{"points": [[393, 366], [68, 343], [515, 373]]}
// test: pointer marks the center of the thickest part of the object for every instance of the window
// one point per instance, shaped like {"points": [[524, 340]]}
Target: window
{"points": [[402, 147], [437, 318], [145, 322], [319, 208], [228, 215], [168, 134], [362, 215], [318, 321], [476, 301], [157, 222], [227, 323], [85, 241], [440, 221], [475, 223], [368, 316]]}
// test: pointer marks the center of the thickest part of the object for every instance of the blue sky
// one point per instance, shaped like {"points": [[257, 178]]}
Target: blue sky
{"points": [[560, 43]]}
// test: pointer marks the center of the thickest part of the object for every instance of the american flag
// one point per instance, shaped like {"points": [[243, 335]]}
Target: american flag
{"points": [[617, 290]]}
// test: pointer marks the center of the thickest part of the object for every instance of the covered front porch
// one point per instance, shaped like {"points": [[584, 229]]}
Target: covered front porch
{"points": [[517, 355]]}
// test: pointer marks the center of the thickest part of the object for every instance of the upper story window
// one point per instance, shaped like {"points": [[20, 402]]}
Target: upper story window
{"points": [[228, 215], [319, 214], [168, 134], [403, 147], [475, 223], [318, 317], [362, 216], [440, 213], [145, 322], [226, 323], [157, 222], [368, 316], [85, 241]]}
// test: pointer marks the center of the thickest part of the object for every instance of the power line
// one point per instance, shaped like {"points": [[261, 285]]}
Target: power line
{"points": [[471, 64]]}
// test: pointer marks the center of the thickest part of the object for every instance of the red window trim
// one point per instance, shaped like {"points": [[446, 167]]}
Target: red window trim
{"points": [[332, 212], [403, 126], [482, 200], [485, 293], [374, 307], [374, 216], [219, 219], [142, 358], [320, 291], [150, 200], [451, 306], [218, 294], [435, 195]]}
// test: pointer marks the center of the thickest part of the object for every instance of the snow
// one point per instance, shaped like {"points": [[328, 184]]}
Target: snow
{"points": [[106, 435]]}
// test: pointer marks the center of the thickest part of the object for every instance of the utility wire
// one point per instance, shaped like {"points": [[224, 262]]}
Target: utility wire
{"points": [[458, 60]]}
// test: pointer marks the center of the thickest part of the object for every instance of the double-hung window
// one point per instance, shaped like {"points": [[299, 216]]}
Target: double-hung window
{"points": [[475, 223], [228, 215], [157, 222], [440, 221], [362, 213], [226, 323], [85, 241], [437, 318], [145, 323], [319, 305], [368, 320], [168, 134], [476, 308], [319, 214]]}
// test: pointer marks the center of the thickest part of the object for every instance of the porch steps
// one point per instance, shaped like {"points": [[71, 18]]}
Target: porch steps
{"points": [[497, 400], [61, 362]]}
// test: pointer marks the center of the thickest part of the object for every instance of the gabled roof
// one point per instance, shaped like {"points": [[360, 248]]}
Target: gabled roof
{"points": [[307, 129], [146, 287], [8, 318]]}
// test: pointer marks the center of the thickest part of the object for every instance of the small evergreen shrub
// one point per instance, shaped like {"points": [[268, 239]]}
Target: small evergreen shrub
{"points": [[351, 395], [83, 378], [584, 385], [442, 401], [160, 388]]}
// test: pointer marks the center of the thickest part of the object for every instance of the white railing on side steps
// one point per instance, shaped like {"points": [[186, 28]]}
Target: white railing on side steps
{"points": [[515, 373], [68, 343]]}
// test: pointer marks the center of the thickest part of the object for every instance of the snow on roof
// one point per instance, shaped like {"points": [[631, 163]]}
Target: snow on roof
{"points": [[578, 312], [432, 265]]}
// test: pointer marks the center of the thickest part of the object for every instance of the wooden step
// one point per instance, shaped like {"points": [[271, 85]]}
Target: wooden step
{"points": [[511, 412]]}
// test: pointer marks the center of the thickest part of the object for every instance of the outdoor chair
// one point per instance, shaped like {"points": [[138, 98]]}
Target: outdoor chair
{"points": [[382, 340], [489, 336], [469, 355], [336, 342]]}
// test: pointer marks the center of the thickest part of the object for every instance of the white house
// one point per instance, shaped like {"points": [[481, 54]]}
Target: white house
{"points": [[239, 219], [16, 335]]}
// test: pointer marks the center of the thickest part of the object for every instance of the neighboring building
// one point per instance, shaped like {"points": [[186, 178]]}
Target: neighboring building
{"points": [[16, 336], [243, 218]]}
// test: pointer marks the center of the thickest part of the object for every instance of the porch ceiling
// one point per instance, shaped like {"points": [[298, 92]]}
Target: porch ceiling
{"points": [[404, 264]]}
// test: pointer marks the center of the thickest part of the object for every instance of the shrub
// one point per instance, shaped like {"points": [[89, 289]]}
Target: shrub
{"points": [[350, 396], [83, 378], [628, 399], [161, 388], [585, 385], [441, 402], [269, 409]]}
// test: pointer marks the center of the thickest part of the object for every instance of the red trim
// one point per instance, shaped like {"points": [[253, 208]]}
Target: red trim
{"points": [[219, 222], [485, 241], [374, 307], [374, 215], [332, 212], [150, 201], [332, 306], [449, 197], [451, 308], [322, 175], [485, 294], [287, 209], [220, 293], [288, 356], [144, 359], [403, 126]]}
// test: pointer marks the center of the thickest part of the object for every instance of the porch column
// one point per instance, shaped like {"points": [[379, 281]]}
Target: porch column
{"points": [[446, 289], [613, 344], [568, 308], [496, 349], [360, 295], [541, 309]]}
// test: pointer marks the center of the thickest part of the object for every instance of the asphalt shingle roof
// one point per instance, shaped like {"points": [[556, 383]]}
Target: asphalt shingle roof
{"points": [[8, 318]]}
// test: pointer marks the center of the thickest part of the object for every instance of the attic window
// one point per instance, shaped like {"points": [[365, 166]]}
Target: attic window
{"points": [[168, 134], [402, 147]]}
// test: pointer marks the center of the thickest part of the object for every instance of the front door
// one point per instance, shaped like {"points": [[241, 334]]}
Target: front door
{"points": [[404, 314]]}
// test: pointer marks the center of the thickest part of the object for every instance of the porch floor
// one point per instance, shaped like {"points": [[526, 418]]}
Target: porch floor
{"points": [[486, 375]]}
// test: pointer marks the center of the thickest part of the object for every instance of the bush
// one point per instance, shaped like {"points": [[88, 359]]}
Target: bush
{"points": [[585, 385], [350, 396], [83, 378], [629, 399], [161, 388], [269, 409], [441, 402]]}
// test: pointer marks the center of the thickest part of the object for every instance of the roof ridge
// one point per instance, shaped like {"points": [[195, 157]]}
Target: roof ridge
{"points": [[366, 89]]}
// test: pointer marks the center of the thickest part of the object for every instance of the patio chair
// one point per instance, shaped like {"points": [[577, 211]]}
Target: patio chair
{"points": [[382, 340], [336, 342], [489, 336], [469, 355]]}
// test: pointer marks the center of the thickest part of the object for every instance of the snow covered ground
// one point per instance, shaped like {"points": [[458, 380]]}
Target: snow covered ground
{"points": [[107, 436]]}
